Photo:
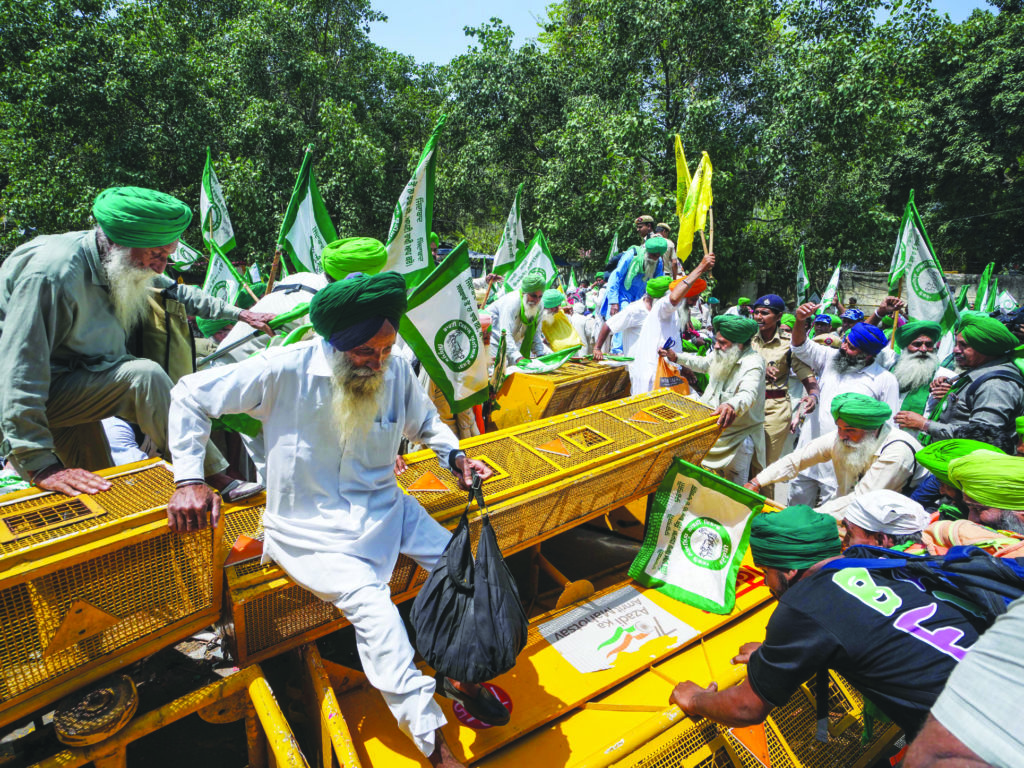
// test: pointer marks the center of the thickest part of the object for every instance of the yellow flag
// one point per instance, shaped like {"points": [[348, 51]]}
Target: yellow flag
{"points": [[682, 177], [695, 208]]}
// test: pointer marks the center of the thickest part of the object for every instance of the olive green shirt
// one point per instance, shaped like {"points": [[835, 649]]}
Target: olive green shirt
{"points": [[56, 316]]}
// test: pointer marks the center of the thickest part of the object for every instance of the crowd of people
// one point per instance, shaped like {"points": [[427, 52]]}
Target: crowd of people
{"points": [[881, 444]]}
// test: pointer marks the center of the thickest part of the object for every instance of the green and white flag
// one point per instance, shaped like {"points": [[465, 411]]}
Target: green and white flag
{"points": [[697, 534], [254, 274], [307, 228], [986, 293], [536, 256], [213, 210], [572, 280], [961, 298], [442, 325], [185, 257], [222, 279], [546, 363], [1005, 302], [613, 249], [927, 292], [832, 288], [512, 239], [408, 240], [802, 281]]}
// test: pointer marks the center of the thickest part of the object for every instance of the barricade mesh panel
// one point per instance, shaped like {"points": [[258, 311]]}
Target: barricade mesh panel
{"points": [[130, 494], [144, 587]]}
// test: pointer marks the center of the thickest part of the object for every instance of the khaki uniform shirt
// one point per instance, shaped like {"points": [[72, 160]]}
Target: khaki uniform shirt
{"points": [[56, 316], [776, 352]]}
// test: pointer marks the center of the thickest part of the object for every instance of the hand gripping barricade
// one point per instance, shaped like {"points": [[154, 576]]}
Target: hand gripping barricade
{"points": [[90, 584], [468, 622], [549, 476]]}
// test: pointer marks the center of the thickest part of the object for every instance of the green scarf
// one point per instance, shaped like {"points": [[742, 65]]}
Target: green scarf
{"points": [[531, 329], [636, 265]]}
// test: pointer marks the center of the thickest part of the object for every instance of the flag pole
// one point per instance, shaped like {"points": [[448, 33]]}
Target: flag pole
{"points": [[896, 316], [273, 270], [487, 295], [711, 229]]}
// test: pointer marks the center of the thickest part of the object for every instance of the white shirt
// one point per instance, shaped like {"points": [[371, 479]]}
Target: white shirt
{"points": [[583, 327], [322, 494], [873, 381], [505, 316], [660, 324], [628, 321], [892, 467]]}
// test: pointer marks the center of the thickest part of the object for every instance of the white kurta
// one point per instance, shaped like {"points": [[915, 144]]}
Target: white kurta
{"points": [[505, 316], [336, 519], [743, 389], [628, 321], [873, 381], [659, 325], [893, 466]]}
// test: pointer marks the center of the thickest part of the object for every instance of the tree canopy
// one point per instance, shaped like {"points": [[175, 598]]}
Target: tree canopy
{"points": [[819, 116]]}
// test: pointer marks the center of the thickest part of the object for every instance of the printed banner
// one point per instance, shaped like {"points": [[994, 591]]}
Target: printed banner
{"points": [[547, 363], [408, 239], [222, 280], [696, 537], [185, 257], [442, 325], [593, 635]]}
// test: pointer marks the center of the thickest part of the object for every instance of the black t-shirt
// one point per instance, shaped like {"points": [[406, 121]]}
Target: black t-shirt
{"points": [[896, 643]]}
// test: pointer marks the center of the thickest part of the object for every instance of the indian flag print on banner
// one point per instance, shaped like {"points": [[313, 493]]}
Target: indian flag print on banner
{"points": [[697, 534], [442, 326]]}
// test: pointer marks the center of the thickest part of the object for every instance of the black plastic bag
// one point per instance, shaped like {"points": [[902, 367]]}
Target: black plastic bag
{"points": [[467, 620]]}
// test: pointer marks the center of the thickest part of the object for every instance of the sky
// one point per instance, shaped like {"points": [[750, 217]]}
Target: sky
{"points": [[432, 31]]}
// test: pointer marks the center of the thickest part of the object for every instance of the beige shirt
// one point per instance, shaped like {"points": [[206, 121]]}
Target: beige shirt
{"points": [[892, 467], [776, 352], [743, 389]]}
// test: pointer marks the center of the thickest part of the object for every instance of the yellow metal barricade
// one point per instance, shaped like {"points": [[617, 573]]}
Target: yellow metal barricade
{"points": [[526, 397], [90, 584], [548, 476]]}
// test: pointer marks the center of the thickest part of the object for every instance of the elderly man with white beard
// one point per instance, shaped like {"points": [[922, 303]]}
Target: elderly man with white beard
{"points": [[736, 375], [849, 368], [517, 313], [333, 412], [868, 454], [67, 305]]}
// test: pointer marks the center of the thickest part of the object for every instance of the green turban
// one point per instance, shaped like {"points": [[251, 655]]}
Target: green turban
{"points": [[968, 316], [793, 539], [936, 456], [350, 312], [742, 301], [836, 322], [140, 218], [735, 328], [988, 336], [1020, 425], [787, 319], [658, 286], [354, 254], [535, 280], [696, 323], [991, 479], [860, 411], [552, 298], [656, 245], [907, 332], [434, 239]]}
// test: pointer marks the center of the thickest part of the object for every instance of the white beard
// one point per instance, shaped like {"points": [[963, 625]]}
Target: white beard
{"points": [[355, 397], [915, 369], [723, 362], [858, 456], [530, 311], [129, 286]]}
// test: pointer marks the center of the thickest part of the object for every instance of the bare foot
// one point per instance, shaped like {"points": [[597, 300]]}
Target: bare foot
{"points": [[443, 757]]}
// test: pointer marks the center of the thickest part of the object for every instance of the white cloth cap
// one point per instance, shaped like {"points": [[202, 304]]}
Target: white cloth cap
{"points": [[885, 511]]}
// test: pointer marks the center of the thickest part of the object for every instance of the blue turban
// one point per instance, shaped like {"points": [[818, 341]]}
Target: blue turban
{"points": [[713, 300], [853, 314], [773, 302], [823, 319], [868, 338]]}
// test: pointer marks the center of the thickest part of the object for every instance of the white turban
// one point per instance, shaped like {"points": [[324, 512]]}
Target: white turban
{"points": [[886, 511]]}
